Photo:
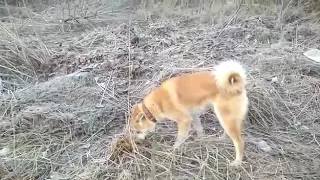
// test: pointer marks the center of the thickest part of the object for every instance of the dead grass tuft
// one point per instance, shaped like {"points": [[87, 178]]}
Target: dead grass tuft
{"points": [[122, 145]]}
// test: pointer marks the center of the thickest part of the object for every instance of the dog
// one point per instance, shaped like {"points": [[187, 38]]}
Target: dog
{"points": [[184, 98]]}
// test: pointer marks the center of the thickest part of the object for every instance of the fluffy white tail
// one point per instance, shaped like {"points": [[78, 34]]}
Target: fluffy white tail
{"points": [[230, 77]]}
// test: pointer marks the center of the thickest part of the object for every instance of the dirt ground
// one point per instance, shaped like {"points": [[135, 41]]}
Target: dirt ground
{"points": [[60, 118]]}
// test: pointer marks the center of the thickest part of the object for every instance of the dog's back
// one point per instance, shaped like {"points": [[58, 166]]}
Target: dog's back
{"points": [[191, 89], [227, 80]]}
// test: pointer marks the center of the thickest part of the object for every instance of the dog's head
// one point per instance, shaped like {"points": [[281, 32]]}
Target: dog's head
{"points": [[140, 122]]}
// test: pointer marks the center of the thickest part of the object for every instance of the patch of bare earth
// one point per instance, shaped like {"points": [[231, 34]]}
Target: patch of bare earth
{"points": [[69, 125]]}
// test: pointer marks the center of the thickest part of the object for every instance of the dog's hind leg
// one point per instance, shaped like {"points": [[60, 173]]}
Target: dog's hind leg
{"points": [[234, 133], [232, 127]]}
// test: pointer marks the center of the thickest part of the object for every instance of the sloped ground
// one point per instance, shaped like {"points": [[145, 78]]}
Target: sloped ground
{"points": [[64, 126]]}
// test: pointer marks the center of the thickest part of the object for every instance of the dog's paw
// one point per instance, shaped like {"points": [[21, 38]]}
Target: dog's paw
{"points": [[235, 163], [223, 137]]}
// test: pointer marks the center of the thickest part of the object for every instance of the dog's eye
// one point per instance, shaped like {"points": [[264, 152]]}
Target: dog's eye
{"points": [[138, 132], [140, 117]]}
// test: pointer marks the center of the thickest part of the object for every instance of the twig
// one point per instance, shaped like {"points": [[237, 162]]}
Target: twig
{"points": [[315, 139], [153, 160], [77, 18], [233, 17]]}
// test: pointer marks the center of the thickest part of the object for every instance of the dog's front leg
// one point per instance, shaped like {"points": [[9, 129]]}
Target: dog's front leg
{"points": [[196, 123], [184, 126]]}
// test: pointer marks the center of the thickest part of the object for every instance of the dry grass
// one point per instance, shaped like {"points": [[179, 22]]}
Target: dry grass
{"points": [[71, 124]]}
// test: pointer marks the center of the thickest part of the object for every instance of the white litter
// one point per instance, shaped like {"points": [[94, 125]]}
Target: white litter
{"points": [[313, 54], [4, 151], [274, 79], [1, 86]]}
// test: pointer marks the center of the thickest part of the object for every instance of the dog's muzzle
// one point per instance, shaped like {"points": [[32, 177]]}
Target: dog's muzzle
{"points": [[141, 135]]}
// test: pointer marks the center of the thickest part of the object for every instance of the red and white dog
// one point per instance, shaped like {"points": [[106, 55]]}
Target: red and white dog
{"points": [[183, 98]]}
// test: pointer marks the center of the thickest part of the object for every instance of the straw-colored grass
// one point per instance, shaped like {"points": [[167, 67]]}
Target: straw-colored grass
{"points": [[72, 123]]}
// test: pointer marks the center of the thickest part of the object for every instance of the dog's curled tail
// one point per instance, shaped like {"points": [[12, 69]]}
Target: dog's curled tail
{"points": [[230, 77]]}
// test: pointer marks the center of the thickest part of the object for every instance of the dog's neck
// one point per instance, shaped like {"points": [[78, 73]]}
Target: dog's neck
{"points": [[147, 112], [152, 103]]}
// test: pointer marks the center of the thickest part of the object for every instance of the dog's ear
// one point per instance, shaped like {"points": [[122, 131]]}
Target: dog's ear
{"points": [[133, 107]]}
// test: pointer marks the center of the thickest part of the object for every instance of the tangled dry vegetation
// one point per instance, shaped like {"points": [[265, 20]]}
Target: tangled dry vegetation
{"points": [[66, 88]]}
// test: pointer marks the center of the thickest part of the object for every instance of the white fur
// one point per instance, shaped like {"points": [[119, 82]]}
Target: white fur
{"points": [[225, 68], [141, 136]]}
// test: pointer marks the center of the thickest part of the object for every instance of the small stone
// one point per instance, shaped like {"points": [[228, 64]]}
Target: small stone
{"points": [[274, 80], [298, 123], [261, 144], [4, 151]]}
